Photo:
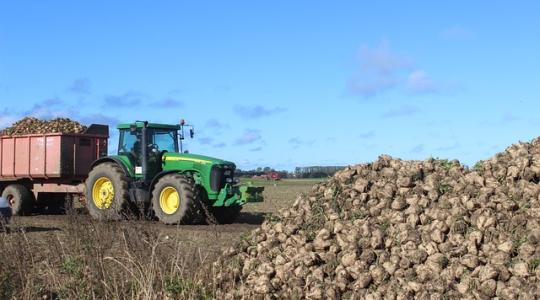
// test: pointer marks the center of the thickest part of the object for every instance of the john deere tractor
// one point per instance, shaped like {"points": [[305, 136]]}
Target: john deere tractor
{"points": [[151, 175]]}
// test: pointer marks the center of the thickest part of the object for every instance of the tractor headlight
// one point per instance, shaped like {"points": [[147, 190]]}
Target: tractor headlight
{"points": [[229, 180]]}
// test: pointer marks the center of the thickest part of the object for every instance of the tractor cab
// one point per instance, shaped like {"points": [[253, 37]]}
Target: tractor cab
{"points": [[144, 144]]}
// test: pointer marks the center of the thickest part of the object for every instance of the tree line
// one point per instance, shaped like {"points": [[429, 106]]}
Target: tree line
{"points": [[299, 172]]}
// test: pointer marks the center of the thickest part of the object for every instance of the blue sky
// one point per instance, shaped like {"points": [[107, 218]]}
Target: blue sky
{"points": [[284, 83]]}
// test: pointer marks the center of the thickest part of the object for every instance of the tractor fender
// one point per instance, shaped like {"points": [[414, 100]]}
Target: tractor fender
{"points": [[113, 160], [163, 173]]}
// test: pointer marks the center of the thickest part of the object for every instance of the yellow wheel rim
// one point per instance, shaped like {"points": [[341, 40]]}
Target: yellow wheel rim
{"points": [[169, 200], [103, 193]]}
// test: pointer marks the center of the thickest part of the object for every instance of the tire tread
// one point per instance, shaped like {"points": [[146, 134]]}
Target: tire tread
{"points": [[188, 195], [26, 199], [121, 185]]}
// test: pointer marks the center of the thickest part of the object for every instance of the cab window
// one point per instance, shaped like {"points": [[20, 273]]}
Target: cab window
{"points": [[164, 139], [128, 142]]}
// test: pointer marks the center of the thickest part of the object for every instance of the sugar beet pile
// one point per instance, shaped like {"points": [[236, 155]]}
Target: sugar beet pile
{"points": [[396, 229], [31, 125]]}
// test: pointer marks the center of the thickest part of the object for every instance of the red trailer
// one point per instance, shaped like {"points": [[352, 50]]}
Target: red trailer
{"points": [[47, 168]]}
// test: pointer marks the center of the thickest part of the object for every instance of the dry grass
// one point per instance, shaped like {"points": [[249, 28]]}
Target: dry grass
{"points": [[100, 261], [73, 257]]}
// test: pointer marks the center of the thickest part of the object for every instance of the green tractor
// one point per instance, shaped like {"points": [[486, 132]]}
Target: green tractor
{"points": [[152, 176]]}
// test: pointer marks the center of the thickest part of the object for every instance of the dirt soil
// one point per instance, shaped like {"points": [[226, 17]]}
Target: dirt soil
{"points": [[74, 257], [205, 240]]}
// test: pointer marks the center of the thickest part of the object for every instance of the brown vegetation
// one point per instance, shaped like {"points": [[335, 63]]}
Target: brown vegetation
{"points": [[93, 260], [73, 257]]}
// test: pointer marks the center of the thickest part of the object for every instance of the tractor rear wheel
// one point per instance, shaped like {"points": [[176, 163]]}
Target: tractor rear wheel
{"points": [[107, 192], [20, 199], [174, 200], [226, 214]]}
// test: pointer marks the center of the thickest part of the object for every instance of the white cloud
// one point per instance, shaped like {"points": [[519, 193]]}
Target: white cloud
{"points": [[80, 86], [250, 136], [257, 111], [127, 99], [369, 87], [381, 70], [6, 119], [205, 140], [381, 60], [215, 124], [298, 142], [54, 108], [420, 82], [50, 108]]}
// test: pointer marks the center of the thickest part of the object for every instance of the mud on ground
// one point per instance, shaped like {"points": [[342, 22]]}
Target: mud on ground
{"points": [[71, 256]]}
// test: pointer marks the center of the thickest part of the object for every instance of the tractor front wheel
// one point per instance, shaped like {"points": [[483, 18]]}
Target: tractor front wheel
{"points": [[174, 200], [107, 192]]}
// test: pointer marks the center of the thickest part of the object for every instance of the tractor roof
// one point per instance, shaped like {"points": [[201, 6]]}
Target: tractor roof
{"points": [[150, 125]]}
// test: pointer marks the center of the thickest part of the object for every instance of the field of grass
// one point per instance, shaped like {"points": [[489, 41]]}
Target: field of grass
{"points": [[73, 257], [279, 194]]}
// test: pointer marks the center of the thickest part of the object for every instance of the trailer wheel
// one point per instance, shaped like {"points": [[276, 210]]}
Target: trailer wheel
{"points": [[174, 200], [226, 214], [21, 200], [107, 192]]}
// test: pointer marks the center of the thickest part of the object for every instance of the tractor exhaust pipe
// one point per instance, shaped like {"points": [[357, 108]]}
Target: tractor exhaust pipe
{"points": [[144, 152]]}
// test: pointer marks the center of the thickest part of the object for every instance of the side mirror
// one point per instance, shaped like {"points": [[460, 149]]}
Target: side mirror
{"points": [[191, 133]]}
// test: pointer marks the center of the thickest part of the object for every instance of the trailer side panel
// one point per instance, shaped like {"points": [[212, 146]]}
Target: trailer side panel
{"points": [[49, 156]]}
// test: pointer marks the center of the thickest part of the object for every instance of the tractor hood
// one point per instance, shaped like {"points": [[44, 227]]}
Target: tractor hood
{"points": [[194, 158]]}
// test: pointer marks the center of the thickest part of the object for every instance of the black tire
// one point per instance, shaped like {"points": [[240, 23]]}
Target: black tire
{"points": [[226, 214], [116, 210], [21, 200], [187, 211]]}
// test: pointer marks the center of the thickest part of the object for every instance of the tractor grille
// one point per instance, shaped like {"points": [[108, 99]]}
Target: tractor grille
{"points": [[219, 175]]}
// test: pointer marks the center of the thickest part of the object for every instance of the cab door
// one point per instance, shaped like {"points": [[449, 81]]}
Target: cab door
{"points": [[160, 141], [129, 145]]}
